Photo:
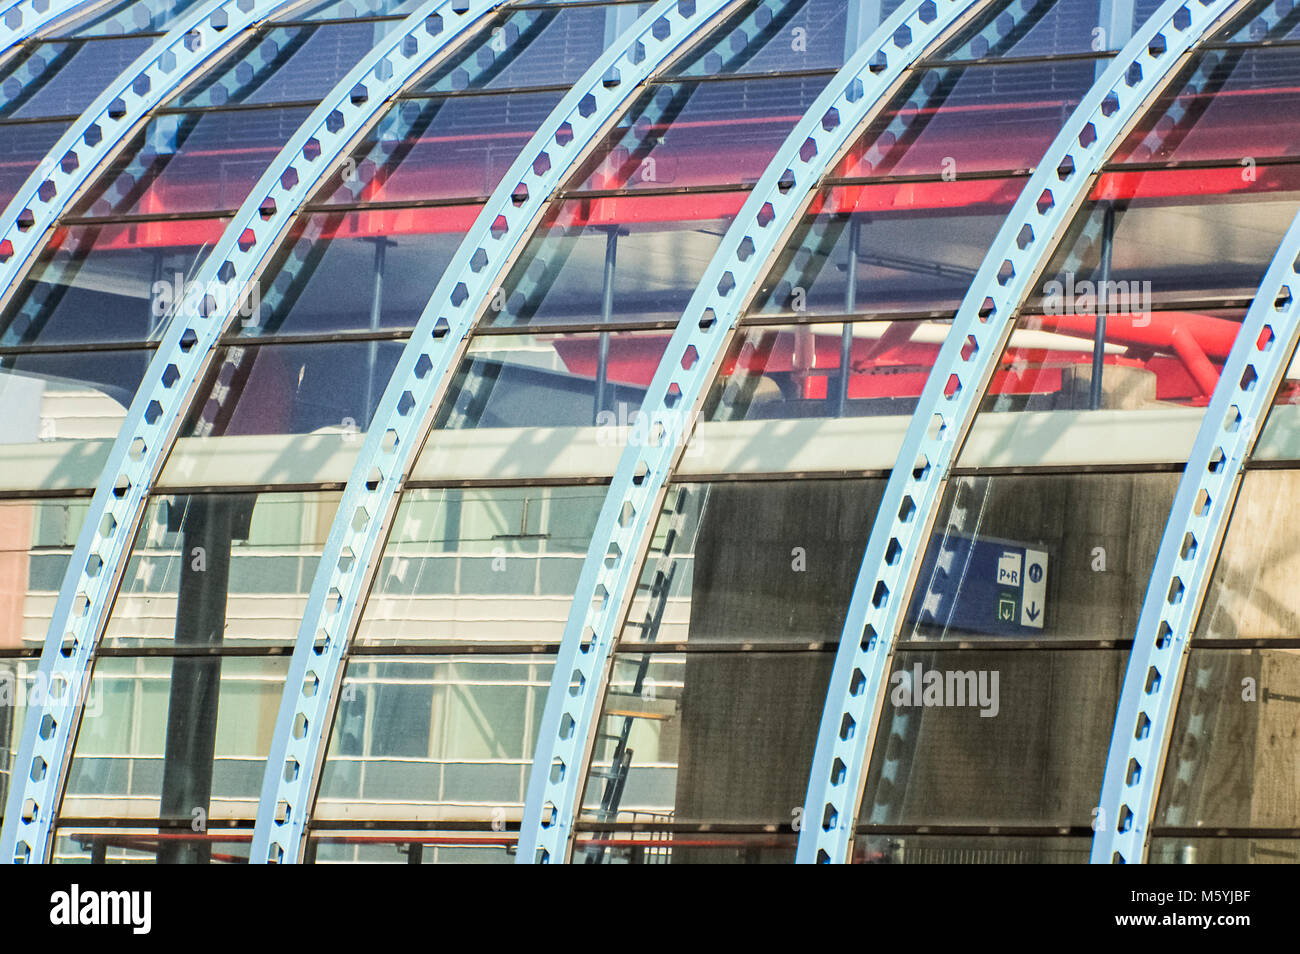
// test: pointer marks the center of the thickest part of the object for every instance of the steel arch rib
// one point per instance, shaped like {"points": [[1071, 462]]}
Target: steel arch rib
{"points": [[1207, 491], [950, 399], [24, 19], [169, 387], [424, 371], [856, 94], [175, 61]]}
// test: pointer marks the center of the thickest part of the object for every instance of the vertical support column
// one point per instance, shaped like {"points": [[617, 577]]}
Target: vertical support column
{"points": [[423, 374], [948, 404], [1207, 492], [856, 95], [184, 356]]}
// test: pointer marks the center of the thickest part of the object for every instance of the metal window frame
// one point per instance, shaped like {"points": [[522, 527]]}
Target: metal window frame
{"points": [[951, 398], [177, 370], [853, 97], [423, 374], [1193, 538]]}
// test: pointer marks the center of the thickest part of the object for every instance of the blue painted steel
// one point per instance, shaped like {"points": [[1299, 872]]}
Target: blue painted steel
{"points": [[1255, 368], [173, 377], [853, 97], [24, 19], [950, 399], [423, 374], [173, 62]]}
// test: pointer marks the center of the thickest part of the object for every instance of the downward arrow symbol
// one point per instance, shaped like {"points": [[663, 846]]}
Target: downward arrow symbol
{"points": [[1032, 612]]}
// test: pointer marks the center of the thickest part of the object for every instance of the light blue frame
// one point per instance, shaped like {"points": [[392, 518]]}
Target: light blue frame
{"points": [[948, 404]]}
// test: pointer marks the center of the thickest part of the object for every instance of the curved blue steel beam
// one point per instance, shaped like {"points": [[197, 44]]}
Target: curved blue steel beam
{"points": [[857, 93], [406, 411], [168, 389], [1207, 492], [24, 19], [175, 61], [951, 397]]}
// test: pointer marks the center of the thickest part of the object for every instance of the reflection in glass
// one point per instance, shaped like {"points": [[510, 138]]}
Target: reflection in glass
{"points": [[164, 738], [795, 371], [785, 579], [95, 284], [209, 570], [1093, 538], [481, 565], [1234, 749], [67, 396], [190, 162], [913, 246], [633, 258], [993, 738], [1252, 591], [446, 738], [62, 78], [293, 389], [960, 120], [552, 380], [705, 737]]}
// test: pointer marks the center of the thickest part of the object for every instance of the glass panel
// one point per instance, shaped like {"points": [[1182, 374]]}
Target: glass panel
{"points": [[190, 162], [650, 251], [802, 35], [22, 147], [1180, 233], [480, 566], [411, 848], [71, 396], [36, 542], [785, 579], [17, 678], [1061, 556], [441, 739], [531, 47], [969, 850], [1252, 593], [178, 738], [651, 847], [62, 79], [286, 64], [1225, 106], [551, 380], [347, 9], [1263, 19], [1224, 851], [784, 372], [674, 133], [293, 389], [355, 271], [100, 846], [128, 16], [95, 284], [212, 570], [993, 738], [1034, 28], [916, 245], [1233, 753], [971, 119], [439, 148], [706, 737]]}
